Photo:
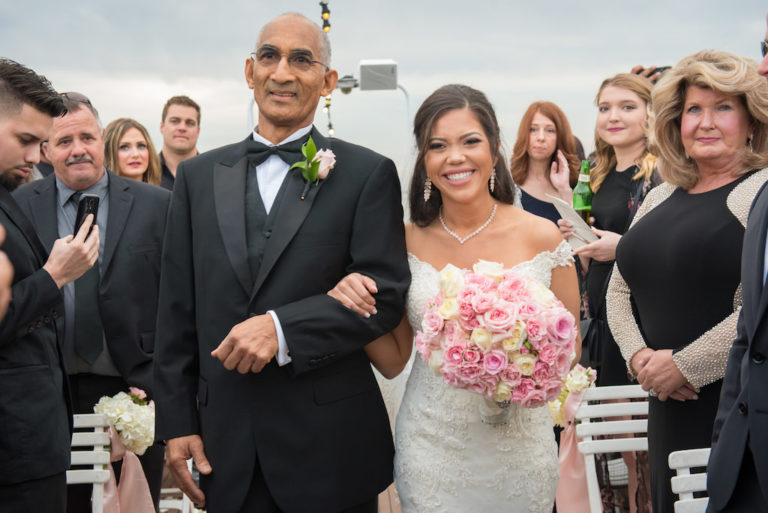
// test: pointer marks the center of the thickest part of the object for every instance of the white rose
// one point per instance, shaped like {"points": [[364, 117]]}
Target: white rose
{"points": [[451, 281], [493, 270], [449, 309], [435, 362], [482, 338], [503, 392], [524, 362], [578, 379], [541, 294]]}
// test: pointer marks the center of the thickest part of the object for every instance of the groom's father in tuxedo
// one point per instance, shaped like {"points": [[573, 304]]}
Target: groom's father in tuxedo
{"points": [[35, 412], [261, 376], [737, 479]]}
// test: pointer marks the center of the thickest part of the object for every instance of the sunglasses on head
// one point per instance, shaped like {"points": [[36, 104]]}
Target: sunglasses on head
{"points": [[76, 97], [764, 48]]}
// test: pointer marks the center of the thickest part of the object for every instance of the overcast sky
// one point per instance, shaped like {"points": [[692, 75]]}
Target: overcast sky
{"points": [[129, 57]]}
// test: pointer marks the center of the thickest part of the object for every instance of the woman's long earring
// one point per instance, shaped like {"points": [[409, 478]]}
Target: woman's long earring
{"points": [[427, 189], [493, 179], [749, 144]]}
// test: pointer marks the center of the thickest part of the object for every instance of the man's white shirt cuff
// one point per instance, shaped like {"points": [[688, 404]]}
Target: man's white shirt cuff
{"points": [[282, 346]]}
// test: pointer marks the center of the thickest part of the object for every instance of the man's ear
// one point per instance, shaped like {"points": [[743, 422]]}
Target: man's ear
{"points": [[249, 73], [331, 79]]}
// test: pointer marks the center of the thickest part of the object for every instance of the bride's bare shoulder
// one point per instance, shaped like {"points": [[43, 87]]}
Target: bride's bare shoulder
{"points": [[540, 233]]}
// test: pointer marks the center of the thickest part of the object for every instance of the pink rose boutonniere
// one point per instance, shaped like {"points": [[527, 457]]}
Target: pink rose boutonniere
{"points": [[317, 165]]}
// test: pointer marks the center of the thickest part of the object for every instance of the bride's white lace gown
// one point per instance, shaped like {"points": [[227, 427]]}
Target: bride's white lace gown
{"points": [[447, 459]]}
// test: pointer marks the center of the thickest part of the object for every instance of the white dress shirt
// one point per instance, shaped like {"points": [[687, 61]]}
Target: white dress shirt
{"points": [[270, 175]]}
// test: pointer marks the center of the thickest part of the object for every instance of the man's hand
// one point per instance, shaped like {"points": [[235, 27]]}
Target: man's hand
{"points": [[661, 375], [177, 452], [249, 346], [6, 277], [72, 256]]}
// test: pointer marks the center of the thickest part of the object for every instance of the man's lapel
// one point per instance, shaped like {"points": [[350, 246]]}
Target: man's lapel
{"points": [[291, 213], [43, 208], [755, 294], [229, 198], [120, 203], [17, 217]]}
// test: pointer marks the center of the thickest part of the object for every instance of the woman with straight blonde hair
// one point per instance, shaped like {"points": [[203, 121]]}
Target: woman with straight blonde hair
{"points": [[677, 270], [129, 152]]}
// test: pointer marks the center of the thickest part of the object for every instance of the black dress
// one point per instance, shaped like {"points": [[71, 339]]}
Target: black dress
{"points": [[610, 208], [538, 207], [682, 263]]}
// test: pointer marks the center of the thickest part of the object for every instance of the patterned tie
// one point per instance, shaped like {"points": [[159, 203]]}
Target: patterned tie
{"points": [[290, 152], [88, 328]]}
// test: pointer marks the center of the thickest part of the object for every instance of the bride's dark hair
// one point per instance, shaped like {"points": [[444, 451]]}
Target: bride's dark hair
{"points": [[447, 98]]}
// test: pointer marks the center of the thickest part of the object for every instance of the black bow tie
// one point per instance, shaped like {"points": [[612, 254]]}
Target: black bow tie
{"points": [[290, 152]]}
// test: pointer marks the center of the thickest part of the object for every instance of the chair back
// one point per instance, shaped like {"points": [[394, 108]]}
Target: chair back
{"points": [[90, 455], [600, 420], [174, 498], [686, 483]]}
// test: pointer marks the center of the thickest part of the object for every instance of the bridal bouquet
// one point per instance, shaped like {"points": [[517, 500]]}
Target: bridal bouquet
{"points": [[498, 333], [132, 416], [578, 379]]}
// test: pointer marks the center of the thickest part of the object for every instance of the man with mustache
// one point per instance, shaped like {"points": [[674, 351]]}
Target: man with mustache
{"points": [[35, 412], [261, 376], [110, 312], [737, 479]]}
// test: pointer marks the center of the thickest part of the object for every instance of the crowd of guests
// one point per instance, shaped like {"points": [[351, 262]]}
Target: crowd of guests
{"points": [[674, 278]]}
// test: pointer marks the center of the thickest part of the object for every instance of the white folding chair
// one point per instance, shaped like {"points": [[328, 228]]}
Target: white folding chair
{"points": [[91, 450], [596, 420], [175, 499], [685, 484]]}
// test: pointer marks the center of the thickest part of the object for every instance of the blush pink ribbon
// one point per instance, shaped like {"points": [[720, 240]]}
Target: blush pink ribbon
{"points": [[132, 494], [571, 495]]}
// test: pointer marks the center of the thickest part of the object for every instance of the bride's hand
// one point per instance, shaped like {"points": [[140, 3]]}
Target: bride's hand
{"points": [[355, 291]]}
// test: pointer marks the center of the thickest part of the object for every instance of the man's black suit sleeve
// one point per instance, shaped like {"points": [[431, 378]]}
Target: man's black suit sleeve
{"points": [[34, 299], [176, 351], [318, 329], [732, 380]]}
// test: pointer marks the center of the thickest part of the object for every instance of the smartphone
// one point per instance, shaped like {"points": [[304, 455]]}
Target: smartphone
{"points": [[89, 204]]}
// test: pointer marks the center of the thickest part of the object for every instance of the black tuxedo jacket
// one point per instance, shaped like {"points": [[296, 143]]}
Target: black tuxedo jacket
{"points": [[317, 427], [742, 416], [35, 413], [130, 269]]}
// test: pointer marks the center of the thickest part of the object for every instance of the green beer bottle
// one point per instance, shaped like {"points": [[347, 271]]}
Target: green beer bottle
{"points": [[582, 193]]}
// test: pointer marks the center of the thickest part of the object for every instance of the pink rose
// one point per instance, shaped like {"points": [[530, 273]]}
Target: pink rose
{"points": [[512, 287], [431, 323], [495, 361], [466, 311], [484, 283], [548, 354], [529, 309], [327, 160], [453, 355], [470, 323], [452, 378], [472, 354], [470, 372], [511, 375], [563, 363], [483, 302], [478, 387], [453, 334], [534, 328], [540, 372], [534, 399], [141, 394], [468, 292], [422, 346], [560, 327], [500, 317], [522, 390], [552, 388]]}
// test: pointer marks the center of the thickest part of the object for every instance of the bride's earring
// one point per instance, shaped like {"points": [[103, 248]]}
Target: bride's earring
{"points": [[493, 179], [427, 189]]}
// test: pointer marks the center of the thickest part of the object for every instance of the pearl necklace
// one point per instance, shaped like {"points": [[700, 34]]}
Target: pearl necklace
{"points": [[462, 240]]}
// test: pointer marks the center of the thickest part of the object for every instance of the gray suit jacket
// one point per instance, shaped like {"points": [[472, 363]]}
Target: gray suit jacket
{"points": [[742, 416], [130, 265]]}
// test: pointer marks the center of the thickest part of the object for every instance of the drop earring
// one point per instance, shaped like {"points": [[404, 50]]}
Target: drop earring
{"points": [[493, 180], [427, 189]]}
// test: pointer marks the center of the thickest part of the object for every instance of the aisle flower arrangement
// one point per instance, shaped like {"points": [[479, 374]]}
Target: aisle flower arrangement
{"points": [[497, 333], [133, 417], [579, 379]]}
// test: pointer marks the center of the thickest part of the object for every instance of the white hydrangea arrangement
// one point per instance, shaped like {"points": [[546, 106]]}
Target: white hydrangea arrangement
{"points": [[132, 416]]}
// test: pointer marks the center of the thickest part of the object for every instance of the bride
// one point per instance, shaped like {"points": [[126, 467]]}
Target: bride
{"points": [[461, 199]]}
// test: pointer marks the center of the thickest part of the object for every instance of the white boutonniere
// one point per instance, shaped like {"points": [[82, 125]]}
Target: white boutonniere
{"points": [[317, 165]]}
